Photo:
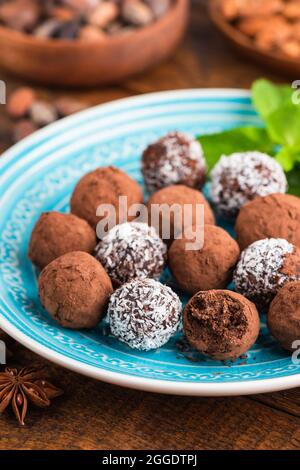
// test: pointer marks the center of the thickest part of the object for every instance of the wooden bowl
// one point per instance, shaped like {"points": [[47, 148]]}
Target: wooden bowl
{"points": [[77, 63], [243, 44]]}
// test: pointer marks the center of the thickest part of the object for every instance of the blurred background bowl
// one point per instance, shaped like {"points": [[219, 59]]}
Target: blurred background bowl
{"points": [[243, 44], [82, 63]]}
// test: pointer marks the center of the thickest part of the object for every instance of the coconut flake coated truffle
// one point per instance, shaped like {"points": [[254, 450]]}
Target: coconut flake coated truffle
{"points": [[176, 158], [131, 250], [221, 324], [56, 234], [144, 314], [265, 267], [103, 186], [274, 216], [283, 318], [75, 289], [210, 267], [241, 177], [177, 196]]}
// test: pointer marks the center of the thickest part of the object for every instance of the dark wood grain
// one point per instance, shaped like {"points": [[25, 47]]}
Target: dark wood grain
{"points": [[94, 415]]}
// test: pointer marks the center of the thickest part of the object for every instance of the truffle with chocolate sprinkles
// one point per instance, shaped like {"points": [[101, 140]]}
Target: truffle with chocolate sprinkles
{"points": [[265, 267], [176, 158], [131, 250], [241, 177], [144, 314]]}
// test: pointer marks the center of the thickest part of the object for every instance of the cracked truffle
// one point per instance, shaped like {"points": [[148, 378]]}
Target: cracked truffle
{"points": [[176, 158], [265, 267], [103, 186], [75, 289], [283, 318], [274, 216], [221, 324], [131, 250], [241, 177], [144, 314], [173, 220], [210, 267], [56, 234]]}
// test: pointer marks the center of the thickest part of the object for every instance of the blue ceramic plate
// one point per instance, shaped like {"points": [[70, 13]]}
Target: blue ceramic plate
{"points": [[39, 174]]}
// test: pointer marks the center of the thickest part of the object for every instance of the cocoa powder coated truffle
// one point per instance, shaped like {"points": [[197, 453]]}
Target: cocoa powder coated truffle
{"points": [[144, 314], [221, 324], [173, 159], [56, 234], [103, 186], [209, 267], [283, 318], [131, 250], [177, 198], [264, 267], [75, 289], [274, 216], [241, 177]]}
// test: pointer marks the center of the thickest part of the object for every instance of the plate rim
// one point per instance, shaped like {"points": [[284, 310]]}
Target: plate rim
{"points": [[126, 380], [153, 385]]}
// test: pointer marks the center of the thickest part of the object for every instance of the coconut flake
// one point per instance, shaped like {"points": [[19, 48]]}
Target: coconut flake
{"points": [[240, 177], [258, 274], [131, 250], [177, 150], [144, 314]]}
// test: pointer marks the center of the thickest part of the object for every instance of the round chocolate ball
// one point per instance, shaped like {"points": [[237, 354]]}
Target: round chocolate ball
{"points": [[176, 158], [56, 234], [274, 216], [144, 314], [74, 289], [265, 267], [207, 267], [241, 177], [221, 324], [104, 186], [131, 250], [169, 209], [283, 318]]}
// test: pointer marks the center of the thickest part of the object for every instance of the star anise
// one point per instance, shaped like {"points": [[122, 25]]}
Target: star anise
{"points": [[17, 387]]}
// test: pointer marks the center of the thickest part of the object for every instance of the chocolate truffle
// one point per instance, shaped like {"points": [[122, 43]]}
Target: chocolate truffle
{"points": [[265, 267], [176, 220], [210, 267], [75, 289], [144, 314], [176, 158], [283, 318], [131, 250], [274, 216], [241, 177], [103, 186], [221, 324], [56, 234]]}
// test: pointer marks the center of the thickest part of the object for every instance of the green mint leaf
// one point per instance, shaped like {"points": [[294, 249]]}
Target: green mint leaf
{"points": [[294, 180], [287, 158], [268, 97], [241, 139], [283, 125]]}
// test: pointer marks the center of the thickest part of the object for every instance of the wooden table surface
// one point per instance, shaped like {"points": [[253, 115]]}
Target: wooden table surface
{"points": [[95, 415]]}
